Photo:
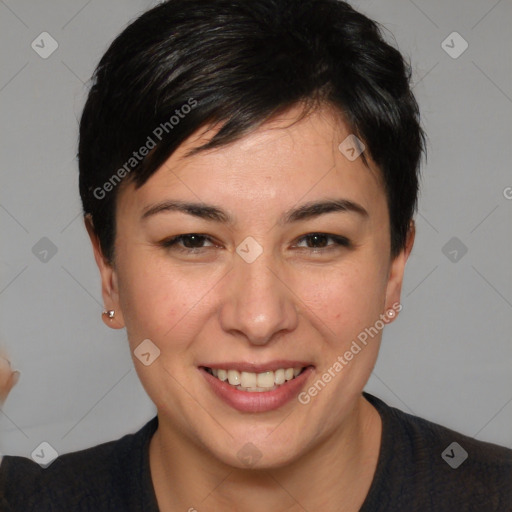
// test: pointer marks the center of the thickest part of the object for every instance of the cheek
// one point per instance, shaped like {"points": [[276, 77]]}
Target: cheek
{"points": [[161, 302], [347, 298]]}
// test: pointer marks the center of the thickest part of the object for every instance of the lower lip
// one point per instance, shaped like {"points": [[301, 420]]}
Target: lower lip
{"points": [[246, 401]]}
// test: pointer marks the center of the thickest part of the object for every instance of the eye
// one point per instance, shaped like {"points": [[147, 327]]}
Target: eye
{"points": [[190, 242], [320, 241]]}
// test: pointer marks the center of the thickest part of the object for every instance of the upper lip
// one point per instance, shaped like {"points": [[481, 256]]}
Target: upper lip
{"points": [[242, 366]]}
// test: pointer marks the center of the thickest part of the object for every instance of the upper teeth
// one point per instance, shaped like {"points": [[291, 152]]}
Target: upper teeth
{"points": [[257, 381]]}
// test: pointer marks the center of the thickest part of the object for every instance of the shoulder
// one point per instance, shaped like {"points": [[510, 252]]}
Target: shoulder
{"points": [[435, 468], [99, 478]]}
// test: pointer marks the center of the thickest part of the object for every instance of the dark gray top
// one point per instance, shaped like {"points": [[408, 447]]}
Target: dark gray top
{"points": [[422, 467]]}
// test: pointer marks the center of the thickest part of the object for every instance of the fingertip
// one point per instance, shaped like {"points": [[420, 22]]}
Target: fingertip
{"points": [[15, 377]]}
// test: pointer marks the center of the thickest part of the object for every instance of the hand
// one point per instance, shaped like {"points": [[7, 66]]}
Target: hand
{"points": [[8, 377]]}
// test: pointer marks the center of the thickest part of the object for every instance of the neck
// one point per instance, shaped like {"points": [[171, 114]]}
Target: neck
{"points": [[334, 475]]}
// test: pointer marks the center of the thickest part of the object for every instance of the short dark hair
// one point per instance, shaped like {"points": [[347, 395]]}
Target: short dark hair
{"points": [[186, 64]]}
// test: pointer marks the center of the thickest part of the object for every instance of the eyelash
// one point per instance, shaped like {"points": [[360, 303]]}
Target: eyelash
{"points": [[172, 243]]}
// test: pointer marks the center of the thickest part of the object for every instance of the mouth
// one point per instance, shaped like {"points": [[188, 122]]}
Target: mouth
{"points": [[252, 382], [257, 388]]}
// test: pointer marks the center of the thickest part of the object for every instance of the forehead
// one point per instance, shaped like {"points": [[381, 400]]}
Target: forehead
{"points": [[284, 161]]}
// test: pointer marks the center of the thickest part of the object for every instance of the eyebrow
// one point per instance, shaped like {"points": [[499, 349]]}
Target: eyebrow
{"points": [[213, 213]]}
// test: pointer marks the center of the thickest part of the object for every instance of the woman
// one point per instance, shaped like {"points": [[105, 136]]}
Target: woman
{"points": [[249, 176]]}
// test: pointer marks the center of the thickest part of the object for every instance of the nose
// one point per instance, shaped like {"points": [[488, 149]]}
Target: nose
{"points": [[257, 302]]}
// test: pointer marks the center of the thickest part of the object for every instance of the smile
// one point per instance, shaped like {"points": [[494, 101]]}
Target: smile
{"points": [[257, 388], [256, 382]]}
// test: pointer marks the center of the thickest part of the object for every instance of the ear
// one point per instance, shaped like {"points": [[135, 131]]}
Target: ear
{"points": [[396, 275], [109, 283]]}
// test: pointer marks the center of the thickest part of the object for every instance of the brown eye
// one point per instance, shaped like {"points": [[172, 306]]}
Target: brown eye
{"points": [[188, 241], [193, 241], [321, 241]]}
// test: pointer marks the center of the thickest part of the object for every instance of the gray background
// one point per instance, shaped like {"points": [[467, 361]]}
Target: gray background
{"points": [[448, 357]]}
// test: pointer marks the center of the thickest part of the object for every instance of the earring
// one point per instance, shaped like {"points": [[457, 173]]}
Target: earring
{"points": [[110, 313]]}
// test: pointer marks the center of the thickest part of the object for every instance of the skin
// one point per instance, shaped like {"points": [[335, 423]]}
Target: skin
{"points": [[296, 301], [8, 377]]}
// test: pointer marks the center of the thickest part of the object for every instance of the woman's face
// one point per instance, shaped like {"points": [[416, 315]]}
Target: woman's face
{"points": [[255, 290]]}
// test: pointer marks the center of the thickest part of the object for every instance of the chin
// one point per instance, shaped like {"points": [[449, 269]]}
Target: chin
{"points": [[269, 448]]}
